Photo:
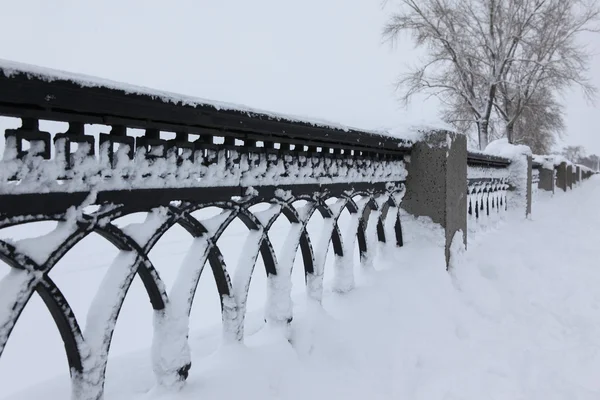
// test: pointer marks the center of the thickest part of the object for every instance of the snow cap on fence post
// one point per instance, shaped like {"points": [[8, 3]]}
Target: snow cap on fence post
{"points": [[436, 185], [520, 174]]}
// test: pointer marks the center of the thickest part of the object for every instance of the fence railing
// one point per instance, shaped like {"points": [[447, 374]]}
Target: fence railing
{"points": [[169, 157], [552, 172], [120, 150], [488, 185]]}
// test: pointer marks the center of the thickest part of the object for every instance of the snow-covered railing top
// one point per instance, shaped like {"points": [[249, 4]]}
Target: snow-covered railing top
{"points": [[478, 159], [47, 94], [186, 142]]}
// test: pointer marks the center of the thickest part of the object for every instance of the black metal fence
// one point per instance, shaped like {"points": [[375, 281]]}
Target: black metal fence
{"points": [[488, 184], [126, 150], [171, 156]]}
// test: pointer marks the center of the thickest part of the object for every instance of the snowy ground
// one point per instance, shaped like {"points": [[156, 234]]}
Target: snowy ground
{"points": [[518, 318]]}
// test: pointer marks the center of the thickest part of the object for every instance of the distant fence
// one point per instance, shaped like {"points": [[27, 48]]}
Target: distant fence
{"points": [[170, 156], [555, 173]]}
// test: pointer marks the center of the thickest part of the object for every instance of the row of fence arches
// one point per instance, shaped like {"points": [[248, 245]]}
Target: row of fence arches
{"points": [[87, 349]]}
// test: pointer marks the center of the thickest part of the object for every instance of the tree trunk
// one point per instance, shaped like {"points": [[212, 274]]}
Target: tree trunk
{"points": [[482, 130], [510, 132]]}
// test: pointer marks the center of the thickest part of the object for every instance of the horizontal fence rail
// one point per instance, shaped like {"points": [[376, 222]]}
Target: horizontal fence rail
{"points": [[486, 161], [232, 148], [169, 157]]}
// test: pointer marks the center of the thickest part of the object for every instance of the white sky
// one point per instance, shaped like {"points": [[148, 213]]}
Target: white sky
{"points": [[315, 58]]}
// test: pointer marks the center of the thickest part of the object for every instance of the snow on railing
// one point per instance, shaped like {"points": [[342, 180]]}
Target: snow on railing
{"points": [[230, 147], [488, 185], [170, 156]]}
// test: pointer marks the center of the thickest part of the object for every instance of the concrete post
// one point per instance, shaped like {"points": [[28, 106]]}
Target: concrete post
{"points": [[546, 179], [578, 174], [436, 186], [561, 176]]}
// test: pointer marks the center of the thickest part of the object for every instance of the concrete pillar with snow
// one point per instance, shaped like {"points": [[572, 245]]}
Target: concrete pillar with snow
{"points": [[561, 176], [520, 179], [520, 174], [436, 186]]}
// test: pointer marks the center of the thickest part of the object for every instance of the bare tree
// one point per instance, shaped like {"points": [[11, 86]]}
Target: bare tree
{"points": [[592, 161], [540, 122], [482, 54], [573, 153], [470, 44], [548, 60]]}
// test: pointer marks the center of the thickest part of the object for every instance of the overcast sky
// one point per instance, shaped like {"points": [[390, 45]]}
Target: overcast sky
{"points": [[315, 58]]}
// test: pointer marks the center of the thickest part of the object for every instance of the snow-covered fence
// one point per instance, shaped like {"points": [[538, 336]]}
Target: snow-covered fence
{"points": [[170, 156], [586, 172], [120, 150], [488, 185], [556, 171]]}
